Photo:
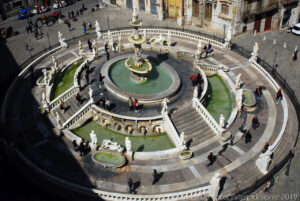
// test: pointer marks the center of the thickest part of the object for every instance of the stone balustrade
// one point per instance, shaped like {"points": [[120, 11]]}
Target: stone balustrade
{"points": [[171, 130], [211, 122], [205, 83], [76, 75], [78, 115]]}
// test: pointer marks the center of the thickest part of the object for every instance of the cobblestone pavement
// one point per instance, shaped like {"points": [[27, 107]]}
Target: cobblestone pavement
{"points": [[119, 17]]}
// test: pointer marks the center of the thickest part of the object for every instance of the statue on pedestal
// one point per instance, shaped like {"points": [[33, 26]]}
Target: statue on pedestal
{"points": [[169, 41], [182, 141], [98, 29], [164, 105], [91, 94], [61, 40], [93, 137], [128, 146], [254, 52], [222, 121], [238, 81], [80, 48], [214, 188]]}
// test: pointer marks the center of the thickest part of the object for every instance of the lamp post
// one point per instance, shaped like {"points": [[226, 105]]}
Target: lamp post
{"points": [[224, 26]]}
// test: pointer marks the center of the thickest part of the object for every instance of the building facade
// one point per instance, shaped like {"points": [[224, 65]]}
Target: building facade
{"points": [[218, 15]]}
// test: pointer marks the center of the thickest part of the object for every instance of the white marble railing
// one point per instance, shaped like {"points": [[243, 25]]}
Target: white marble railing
{"points": [[22, 74], [205, 83], [124, 117], [209, 67], [171, 130], [78, 115], [63, 97], [165, 31], [206, 116], [76, 75], [276, 86]]}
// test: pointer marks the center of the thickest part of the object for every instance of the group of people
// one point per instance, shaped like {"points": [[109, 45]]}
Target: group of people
{"points": [[196, 79], [133, 104], [83, 147], [36, 29], [258, 92]]}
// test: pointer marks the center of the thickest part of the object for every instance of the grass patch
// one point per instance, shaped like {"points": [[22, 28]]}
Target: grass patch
{"points": [[220, 101], [155, 142], [66, 81], [110, 158]]}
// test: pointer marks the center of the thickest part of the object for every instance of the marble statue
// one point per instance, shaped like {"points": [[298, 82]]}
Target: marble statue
{"points": [[254, 52], [164, 105], [169, 41], [54, 60], [58, 120], [238, 81], [120, 45], [199, 47], [94, 139], [80, 48], [214, 188], [128, 145], [229, 33], [95, 48], [45, 76], [145, 34], [222, 121], [98, 29], [264, 161], [61, 40], [91, 94], [113, 146], [182, 140]]}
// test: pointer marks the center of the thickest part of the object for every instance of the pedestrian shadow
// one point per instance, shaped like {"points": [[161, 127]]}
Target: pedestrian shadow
{"points": [[222, 183], [140, 148], [136, 185], [189, 143]]}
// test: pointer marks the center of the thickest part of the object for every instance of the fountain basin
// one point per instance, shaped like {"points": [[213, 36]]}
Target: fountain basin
{"points": [[108, 158], [163, 81]]}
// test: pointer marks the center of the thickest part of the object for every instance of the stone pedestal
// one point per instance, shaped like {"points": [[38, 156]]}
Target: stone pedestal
{"points": [[214, 186], [263, 162]]}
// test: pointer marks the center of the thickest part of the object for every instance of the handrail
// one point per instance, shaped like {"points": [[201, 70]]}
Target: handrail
{"points": [[80, 113], [205, 87], [157, 117], [206, 116], [171, 130]]}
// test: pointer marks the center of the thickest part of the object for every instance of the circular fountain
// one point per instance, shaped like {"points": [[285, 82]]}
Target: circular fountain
{"points": [[138, 75]]}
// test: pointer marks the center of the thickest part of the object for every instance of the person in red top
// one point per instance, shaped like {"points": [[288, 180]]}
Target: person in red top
{"points": [[136, 105], [193, 79], [278, 96]]}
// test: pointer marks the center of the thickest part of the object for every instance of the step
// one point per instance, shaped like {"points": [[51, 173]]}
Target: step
{"points": [[199, 140], [199, 132], [182, 112], [187, 115], [188, 124], [189, 131]]}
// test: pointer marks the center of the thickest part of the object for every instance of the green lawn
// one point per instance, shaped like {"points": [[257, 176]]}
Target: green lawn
{"points": [[156, 142], [66, 81], [220, 101]]}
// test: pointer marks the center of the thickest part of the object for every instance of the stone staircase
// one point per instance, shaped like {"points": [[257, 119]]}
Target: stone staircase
{"points": [[188, 120]]}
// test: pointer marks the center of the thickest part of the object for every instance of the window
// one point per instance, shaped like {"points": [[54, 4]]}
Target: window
{"points": [[225, 9]]}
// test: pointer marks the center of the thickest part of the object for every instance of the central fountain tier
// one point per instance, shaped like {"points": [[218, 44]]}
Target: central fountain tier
{"points": [[162, 81], [138, 66]]}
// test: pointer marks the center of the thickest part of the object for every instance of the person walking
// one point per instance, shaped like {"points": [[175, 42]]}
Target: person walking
{"points": [[62, 107], [155, 177], [136, 105], [26, 47], [101, 77], [255, 122], [278, 96], [295, 55], [193, 79], [90, 45], [268, 185], [248, 137], [78, 99], [130, 185], [107, 56], [210, 158], [69, 25], [107, 104], [130, 103]]}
